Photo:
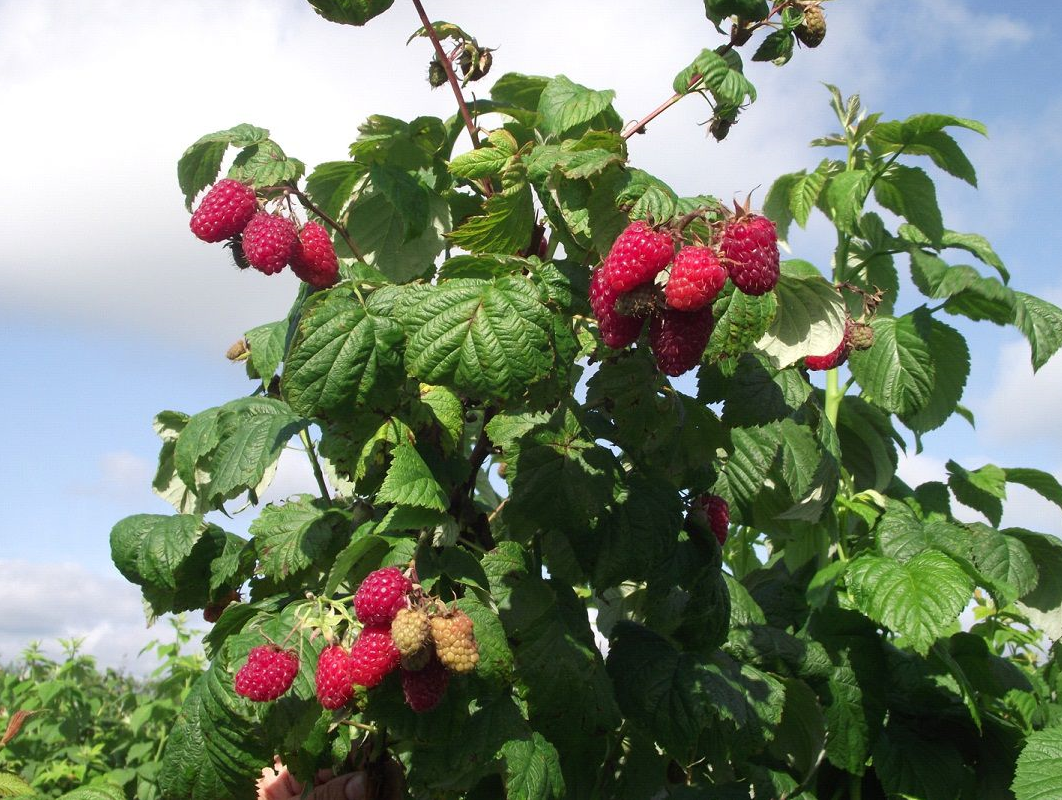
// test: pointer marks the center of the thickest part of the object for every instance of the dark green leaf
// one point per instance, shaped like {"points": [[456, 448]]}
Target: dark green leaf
{"points": [[982, 489], [350, 12], [201, 163], [910, 193]]}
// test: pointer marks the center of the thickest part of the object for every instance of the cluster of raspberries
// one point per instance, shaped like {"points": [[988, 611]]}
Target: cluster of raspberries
{"points": [[623, 291], [397, 633], [268, 242]]}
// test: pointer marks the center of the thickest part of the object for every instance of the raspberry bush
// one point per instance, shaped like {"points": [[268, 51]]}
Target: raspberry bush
{"points": [[483, 365]]}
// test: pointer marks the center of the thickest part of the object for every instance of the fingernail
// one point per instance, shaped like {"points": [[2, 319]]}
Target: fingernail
{"points": [[356, 786]]}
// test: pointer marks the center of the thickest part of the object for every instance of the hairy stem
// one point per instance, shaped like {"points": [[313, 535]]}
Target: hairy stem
{"points": [[312, 206], [314, 463], [451, 77]]}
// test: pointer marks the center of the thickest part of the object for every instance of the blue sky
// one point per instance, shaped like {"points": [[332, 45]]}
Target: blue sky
{"points": [[112, 311]]}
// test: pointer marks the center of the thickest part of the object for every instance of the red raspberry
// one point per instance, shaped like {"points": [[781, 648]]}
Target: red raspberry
{"points": [[678, 339], [696, 278], [617, 330], [269, 241], [424, 689], [314, 258], [334, 677], [637, 255], [373, 656], [381, 595], [749, 250], [268, 673], [224, 211], [835, 357], [717, 511]]}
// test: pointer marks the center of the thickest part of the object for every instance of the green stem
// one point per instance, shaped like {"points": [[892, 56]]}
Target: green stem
{"points": [[855, 787], [314, 463], [833, 396]]}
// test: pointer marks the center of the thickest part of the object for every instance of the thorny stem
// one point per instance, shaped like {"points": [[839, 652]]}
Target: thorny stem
{"points": [[314, 463], [639, 126], [309, 204], [451, 76]]}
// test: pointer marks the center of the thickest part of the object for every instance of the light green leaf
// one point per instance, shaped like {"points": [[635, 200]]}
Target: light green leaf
{"points": [[487, 339], [845, 194], [265, 164], [488, 160], [910, 193], [506, 226], [1038, 774], [809, 321], [1041, 322], [12, 786], [981, 489], [920, 599], [409, 482], [804, 194], [564, 105], [532, 769], [266, 343]]}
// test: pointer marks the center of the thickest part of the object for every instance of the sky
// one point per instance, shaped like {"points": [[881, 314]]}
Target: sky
{"points": [[111, 311]]}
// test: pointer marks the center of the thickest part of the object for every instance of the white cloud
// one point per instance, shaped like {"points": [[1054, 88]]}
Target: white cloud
{"points": [[121, 475], [48, 602], [1022, 406], [915, 469]]}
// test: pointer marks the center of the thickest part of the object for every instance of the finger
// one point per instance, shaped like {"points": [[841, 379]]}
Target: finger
{"points": [[278, 785], [345, 787]]}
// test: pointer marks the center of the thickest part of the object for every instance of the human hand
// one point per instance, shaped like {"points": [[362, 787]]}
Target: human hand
{"points": [[277, 783]]}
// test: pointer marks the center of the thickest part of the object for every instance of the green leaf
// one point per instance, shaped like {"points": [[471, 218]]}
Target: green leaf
{"points": [[1038, 773], [868, 444], [344, 354], [753, 452], [252, 432], [331, 185], [213, 750], [898, 372], [520, 91], [802, 735], [267, 343], [920, 599], [13, 786], [532, 769], [486, 339], [1041, 322], [896, 137], [968, 293], [721, 75], [909, 765], [564, 105], [777, 48], [265, 164], [1043, 483], [776, 206], [382, 230], [804, 194], [951, 367], [409, 481], [201, 163], [809, 321], [845, 194], [742, 320], [292, 536], [167, 484], [350, 12], [982, 489], [972, 243], [488, 160], [1043, 605], [98, 790], [910, 193], [1004, 561], [752, 10], [505, 228]]}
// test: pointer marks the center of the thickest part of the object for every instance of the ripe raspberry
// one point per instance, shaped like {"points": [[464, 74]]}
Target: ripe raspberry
{"points": [[835, 357], [269, 241], [636, 256], [812, 30], [749, 250], [455, 642], [717, 511], [314, 258], [381, 595], [678, 338], [224, 211], [411, 631], [268, 673], [696, 279], [334, 678], [424, 689], [617, 330], [373, 656]]}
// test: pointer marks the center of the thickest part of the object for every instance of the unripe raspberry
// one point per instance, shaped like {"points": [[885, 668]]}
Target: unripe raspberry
{"points": [[334, 678], [696, 279], [411, 631], [861, 336], [617, 330], [749, 250], [269, 241], [812, 30], [637, 255], [418, 660], [314, 258], [678, 338], [455, 642], [268, 673], [425, 688], [373, 656], [224, 211], [381, 595]]}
